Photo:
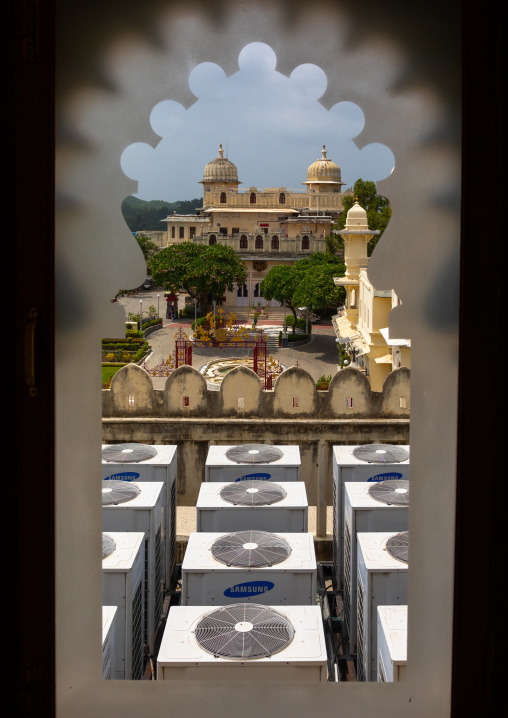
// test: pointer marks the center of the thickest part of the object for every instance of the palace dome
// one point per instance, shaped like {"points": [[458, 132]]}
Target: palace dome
{"points": [[324, 170], [220, 170]]}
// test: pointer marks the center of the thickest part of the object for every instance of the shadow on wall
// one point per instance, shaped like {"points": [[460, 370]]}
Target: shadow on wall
{"points": [[294, 395]]}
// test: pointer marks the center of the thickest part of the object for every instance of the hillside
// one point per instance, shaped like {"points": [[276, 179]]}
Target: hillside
{"points": [[142, 215]]}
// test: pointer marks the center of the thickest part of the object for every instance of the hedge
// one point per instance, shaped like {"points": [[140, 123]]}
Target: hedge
{"points": [[300, 323]]}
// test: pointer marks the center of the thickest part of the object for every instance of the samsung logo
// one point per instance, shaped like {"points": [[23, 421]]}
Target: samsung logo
{"points": [[394, 476], [250, 588], [257, 477], [124, 476]]}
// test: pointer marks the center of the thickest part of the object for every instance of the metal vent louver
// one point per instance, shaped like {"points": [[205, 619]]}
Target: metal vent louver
{"points": [[244, 632], [254, 454], [252, 493], [108, 546], [118, 492], [128, 453], [381, 453], [250, 549], [398, 546], [393, 492]]}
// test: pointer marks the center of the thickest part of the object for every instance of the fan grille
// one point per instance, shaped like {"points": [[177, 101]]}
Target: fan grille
{"points": [[244, 632], [381, 453], [250, 549], [108, 546], [128, 453], [398, 546], [252, 493], [254, 454], [118, 492], [392, 492]]}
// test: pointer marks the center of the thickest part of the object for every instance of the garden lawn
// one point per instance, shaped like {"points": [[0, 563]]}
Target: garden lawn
{"points": [[108, 372]]}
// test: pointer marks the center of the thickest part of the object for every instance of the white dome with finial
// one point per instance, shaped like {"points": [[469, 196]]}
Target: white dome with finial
{"points": [[220, 170], [356, 217]]}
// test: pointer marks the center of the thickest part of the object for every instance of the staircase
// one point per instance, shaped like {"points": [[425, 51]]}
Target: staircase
{"points": [[243, 316]]}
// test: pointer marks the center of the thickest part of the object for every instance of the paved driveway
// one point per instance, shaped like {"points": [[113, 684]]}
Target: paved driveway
{"points": [[318, 357]]}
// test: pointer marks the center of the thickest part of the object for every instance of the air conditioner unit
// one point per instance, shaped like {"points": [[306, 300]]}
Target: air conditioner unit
{"points": [[368, 508], [244, 642], [144, 462], [122, 586], [391, 643], [108, 642], [220, 569], [371, 462], [263, 505], [262, 462], [128, 506], [382, 581]]}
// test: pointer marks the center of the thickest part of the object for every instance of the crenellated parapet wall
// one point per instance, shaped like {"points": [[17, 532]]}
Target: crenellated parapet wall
{"points": [[294, 396], [188, 414]]}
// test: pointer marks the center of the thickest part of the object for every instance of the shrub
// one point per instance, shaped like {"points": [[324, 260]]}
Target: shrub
{"points": [[200, 322], [298, 337], [110, 357]]}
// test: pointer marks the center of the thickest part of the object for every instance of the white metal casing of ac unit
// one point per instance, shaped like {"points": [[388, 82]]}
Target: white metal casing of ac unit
{"points": [[391, 643], [108, 642], [144, 512], [162, 467], [215, 514], [303, 660], [365, 514], [382, 581], [208, 582], [347, 467], [219, 468], [123, 587]]}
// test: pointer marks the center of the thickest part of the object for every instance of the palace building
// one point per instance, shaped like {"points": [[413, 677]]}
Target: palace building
{"points": [[266, 226]]}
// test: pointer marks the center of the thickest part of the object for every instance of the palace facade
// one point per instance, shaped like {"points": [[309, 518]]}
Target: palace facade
{"points": [[265, 227]]}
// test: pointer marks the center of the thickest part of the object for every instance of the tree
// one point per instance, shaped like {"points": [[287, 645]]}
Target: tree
{"points": [[141, 215], [308, 282], [281, 283], [147, 246], [204, 272], [376, 205]]}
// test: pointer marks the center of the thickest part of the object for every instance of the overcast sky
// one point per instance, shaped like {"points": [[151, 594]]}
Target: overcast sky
{"points": [[271, 126]]}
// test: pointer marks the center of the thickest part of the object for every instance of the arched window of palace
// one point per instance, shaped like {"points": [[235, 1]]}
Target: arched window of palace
{"points": [[253, 198], [305, 243], [223, 198], [259, 242], [243, 242], [212, 239], [282, 198], [275, 242]]}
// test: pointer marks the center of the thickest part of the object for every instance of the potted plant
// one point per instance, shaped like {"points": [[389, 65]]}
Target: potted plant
{"points": [[323, 382]]}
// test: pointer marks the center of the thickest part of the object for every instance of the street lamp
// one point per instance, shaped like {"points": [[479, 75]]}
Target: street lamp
{"points": [[195, 313], [158, 315], [140, 315], [214, 305], [285, 332]]}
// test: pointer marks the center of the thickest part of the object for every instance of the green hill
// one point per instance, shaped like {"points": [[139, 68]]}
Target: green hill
{"points": [[142, 215]]}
